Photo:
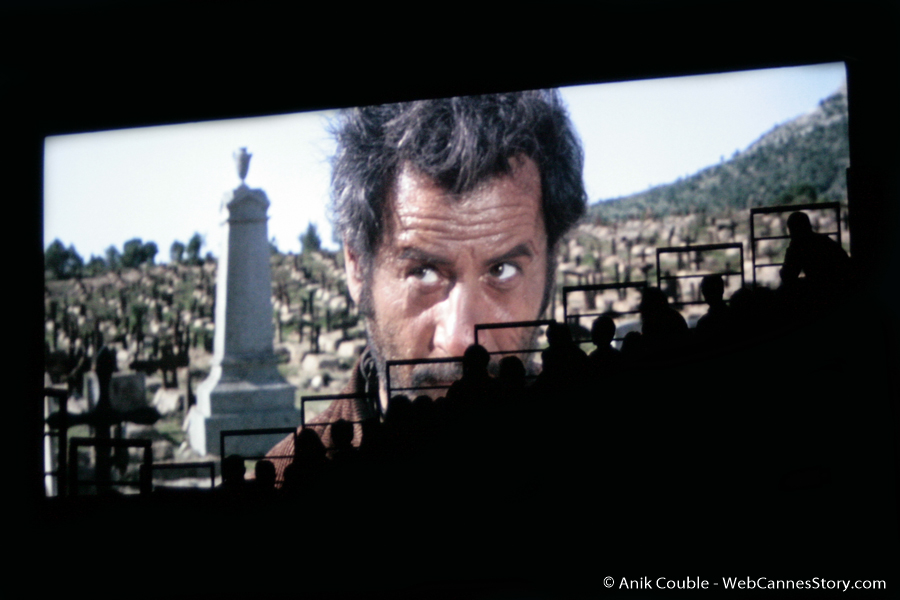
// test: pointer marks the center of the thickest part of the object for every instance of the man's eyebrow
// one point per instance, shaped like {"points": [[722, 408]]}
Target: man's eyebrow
{"points": [[419, 255], [521, 250]]}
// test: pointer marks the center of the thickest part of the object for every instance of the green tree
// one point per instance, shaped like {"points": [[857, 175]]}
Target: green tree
{"points": [[62, 262], [95, 266], [55, 258], [132, 253], [149, 252], [310, 241], [805, 191], [135, 253], [193, 249], [113, 258], [176, 252]]}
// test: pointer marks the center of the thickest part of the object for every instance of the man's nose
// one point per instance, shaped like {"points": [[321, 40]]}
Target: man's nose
{"points": [[456, 319]]}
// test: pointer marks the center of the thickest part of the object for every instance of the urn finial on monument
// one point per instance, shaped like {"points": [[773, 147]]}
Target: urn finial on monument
{"points": [[242, 160]]}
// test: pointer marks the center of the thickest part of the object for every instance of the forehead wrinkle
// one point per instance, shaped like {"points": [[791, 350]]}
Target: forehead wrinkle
{"points": [[433, 214], [462, 239], [489, 228], [476, 210], [419, 210]]}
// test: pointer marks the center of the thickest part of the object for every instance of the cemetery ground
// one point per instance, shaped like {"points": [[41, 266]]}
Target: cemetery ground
{"points": [[169, 438], [159, 320]]}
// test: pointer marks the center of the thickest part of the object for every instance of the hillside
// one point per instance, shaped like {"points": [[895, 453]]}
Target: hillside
{"points": [[806, 158]]}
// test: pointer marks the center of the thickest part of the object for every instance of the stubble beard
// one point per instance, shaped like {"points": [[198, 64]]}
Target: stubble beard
{"points": [[382, 347]]}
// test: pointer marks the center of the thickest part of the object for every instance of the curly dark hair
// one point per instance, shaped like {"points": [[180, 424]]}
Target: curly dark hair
{"points": [[459, 142]]}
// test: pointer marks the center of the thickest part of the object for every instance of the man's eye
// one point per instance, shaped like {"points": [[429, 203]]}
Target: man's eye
{"points": [[425, 275], [504, 271]]}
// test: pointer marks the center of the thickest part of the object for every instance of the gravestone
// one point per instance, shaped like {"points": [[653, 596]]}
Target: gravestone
{"points": [[244, 389], [91, 389], [128, 391]]}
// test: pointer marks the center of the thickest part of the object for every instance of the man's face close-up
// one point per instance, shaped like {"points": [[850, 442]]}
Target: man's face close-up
{"points": [[448, 262]]}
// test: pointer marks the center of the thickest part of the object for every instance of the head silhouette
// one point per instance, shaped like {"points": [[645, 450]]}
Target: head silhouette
{"points": [[558, 335], [265, 474], [475, 361], [798, 225], [713, 288], [603, 331], [653, 301], [233, 469], [342, 433]]}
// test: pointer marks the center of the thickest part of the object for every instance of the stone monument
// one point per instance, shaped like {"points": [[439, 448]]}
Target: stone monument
{"points": [[244, 390]]}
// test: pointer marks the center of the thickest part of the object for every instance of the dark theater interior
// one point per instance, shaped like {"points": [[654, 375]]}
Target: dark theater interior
{"points": [[696, 486]]}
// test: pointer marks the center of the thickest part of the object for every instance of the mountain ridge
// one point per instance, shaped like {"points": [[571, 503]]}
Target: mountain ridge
{"points": [[804, 157]]}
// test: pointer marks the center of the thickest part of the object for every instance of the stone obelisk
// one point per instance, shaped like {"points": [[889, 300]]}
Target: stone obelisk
{"points": [[244, 390]]}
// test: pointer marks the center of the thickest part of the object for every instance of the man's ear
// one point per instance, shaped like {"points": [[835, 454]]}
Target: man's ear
{"points": [[354, 273]]}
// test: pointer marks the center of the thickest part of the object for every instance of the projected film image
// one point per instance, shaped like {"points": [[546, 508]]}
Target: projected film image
{"points": [[254, 305]]}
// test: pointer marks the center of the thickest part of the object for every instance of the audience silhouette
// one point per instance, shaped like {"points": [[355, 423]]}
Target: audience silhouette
{"points": [[715, 327], [530, 443], [819, 257], [605, 358], [663, 329]]}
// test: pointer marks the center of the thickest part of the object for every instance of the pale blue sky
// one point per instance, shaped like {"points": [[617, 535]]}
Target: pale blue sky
{"points": [[165, 183]]}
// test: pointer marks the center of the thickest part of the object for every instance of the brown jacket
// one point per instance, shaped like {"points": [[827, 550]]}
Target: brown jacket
{"points": [[364, 380]]}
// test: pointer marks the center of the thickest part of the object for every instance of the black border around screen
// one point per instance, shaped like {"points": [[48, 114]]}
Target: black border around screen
{"points": [[183, 64]]}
